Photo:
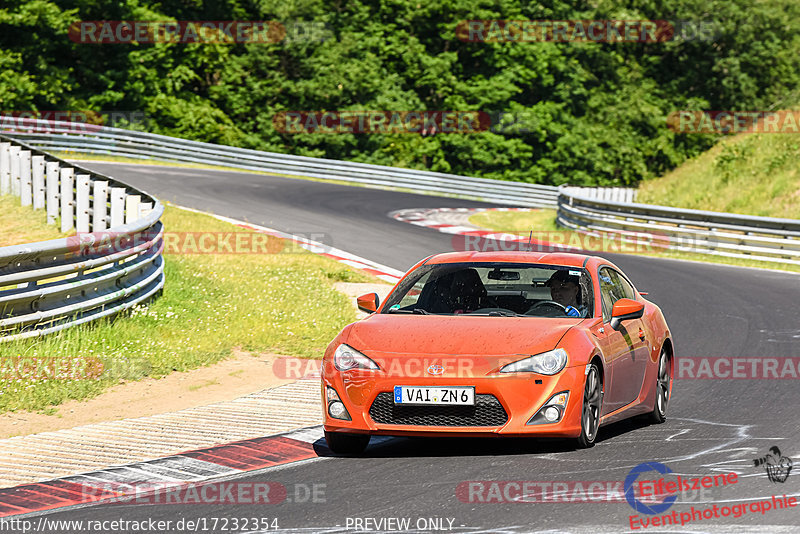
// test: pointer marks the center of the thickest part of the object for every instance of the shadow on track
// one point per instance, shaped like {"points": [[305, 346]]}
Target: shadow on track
{"points": [[417, 447]]}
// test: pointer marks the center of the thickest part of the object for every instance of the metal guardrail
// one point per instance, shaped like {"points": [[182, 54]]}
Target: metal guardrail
{"points": [[614, 194], [587, 210], [113, 262], [705, 232], [90, 139]]}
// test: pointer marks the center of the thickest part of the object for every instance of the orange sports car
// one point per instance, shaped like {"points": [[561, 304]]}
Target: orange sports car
{"points": [[498, 344]]}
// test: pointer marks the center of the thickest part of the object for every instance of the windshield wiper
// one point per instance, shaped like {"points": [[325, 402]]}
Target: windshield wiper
{"points": [[498, 313], [495, 313], [419, 311]]}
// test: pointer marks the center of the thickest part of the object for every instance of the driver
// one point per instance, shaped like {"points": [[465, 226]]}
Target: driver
{"points": [[565, 289]]}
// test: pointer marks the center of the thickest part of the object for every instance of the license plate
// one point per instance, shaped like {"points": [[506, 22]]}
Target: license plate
{"points": [[459, 395]]}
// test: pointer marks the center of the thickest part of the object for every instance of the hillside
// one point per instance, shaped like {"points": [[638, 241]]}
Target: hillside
{"points": [[755, 174]]}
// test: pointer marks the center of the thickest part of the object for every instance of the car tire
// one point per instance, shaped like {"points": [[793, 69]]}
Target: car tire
{"points": [[590, 411], [342, 443], [663, 382]]}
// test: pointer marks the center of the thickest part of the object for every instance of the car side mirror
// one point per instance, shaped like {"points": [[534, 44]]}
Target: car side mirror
{"points": [[368, 303], [625, 309]]}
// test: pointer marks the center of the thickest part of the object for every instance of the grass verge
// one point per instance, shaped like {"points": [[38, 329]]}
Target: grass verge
{"points": [[212, 303], [752, 174], [544, 220], [20, 224]]}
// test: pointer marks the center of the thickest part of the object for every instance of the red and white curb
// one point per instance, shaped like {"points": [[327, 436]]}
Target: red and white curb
{"points": [[455, 221], [177, 473], [201, 466], [383, 272]]}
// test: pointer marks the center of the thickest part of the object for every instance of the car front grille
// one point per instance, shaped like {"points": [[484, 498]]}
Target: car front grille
{"points": [[487, 412]]}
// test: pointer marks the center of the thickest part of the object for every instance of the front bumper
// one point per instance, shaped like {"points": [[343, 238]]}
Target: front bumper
{"points": [[518, 395]]}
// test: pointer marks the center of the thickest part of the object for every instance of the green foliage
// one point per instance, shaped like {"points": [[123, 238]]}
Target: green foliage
{"points": [[580, 113]]}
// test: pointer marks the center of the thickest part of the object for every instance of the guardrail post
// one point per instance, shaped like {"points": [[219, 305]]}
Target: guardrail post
{"points": [[67, 211], [37, 171], [14, 166], [144, 209], [5, 169], [25, 191], [72, 195], [132, 208], [51, 186], [99, 208], [117, 206], [82, 203]]}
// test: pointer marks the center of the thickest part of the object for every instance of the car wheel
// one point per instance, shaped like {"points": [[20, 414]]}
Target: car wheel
{"points": [[346, 443], [590, 414], [659, 413]]}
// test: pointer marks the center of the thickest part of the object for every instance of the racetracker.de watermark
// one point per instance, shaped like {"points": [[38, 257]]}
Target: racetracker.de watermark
{"points": [[738, 368], [24, 369], [647, 492], [198, 31], [407, 367], [584, 31], [539, 491], [152, 242], [31, 121], [207, 493], [734, 122], [381, 122], [620, 242]]}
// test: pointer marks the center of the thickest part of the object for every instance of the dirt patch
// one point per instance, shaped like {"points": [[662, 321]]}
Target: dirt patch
{"points": [[241, 374]]}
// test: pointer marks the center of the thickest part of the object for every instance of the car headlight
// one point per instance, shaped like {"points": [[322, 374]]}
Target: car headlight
{"points": [[346, 358], [546, 363]]}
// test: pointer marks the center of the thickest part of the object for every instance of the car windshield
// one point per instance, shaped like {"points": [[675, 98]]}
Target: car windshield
{"points": [[494, 289]]}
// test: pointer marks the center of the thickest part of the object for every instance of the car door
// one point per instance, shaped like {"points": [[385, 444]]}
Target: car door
{"points": [[623, 349], [634, 333]]}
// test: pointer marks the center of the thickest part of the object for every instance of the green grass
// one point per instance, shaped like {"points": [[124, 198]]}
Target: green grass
{"points": [[544, 220], [20, 225], [754, 174], [212, 303], [538, 220]]}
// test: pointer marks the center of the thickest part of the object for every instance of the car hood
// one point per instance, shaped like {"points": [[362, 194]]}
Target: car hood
{"points": [[389, 334]]}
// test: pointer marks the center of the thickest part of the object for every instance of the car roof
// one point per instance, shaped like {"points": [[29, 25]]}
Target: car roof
{"points": [[552, 258]]}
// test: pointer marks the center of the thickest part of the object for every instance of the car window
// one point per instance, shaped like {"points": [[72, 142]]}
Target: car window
{"points": [[613, 286], [607, 292], [586, 294], [627, 289], [501, 289], [412, 295]]}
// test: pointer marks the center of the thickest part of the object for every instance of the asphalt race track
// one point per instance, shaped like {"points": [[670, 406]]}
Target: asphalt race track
{"points": [[713, 425]]}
